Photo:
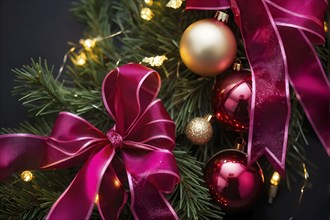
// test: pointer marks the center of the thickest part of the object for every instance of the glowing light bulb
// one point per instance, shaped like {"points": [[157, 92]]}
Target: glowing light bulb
{"points": [[116, 183], [155, 61], [88, 44], [26, 176], [96, 198], [174, 4], [325, 27], [149, 2], [80, 59], [275, 180], [146, 14]]}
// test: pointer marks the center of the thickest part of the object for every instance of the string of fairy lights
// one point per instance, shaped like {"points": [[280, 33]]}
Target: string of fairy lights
{"points": [[79, 58], [87, 45]]}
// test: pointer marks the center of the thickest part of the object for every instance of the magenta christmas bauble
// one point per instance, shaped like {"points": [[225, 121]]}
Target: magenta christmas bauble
{"points": [[233, 184], [232, 100]]}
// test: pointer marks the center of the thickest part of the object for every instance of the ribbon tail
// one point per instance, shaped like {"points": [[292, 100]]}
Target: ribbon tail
{"points": [[112, 196], [147, 202], [21, 151], [207, 4], [78, 200], [270, 105], [309, 82]]}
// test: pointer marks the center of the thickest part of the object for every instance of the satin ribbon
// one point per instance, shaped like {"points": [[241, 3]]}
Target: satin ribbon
{"points": [[278, 37], [136, 150]]}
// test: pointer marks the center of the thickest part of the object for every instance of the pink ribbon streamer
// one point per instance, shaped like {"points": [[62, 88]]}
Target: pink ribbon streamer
{"points": [[278, 37], [144, 134]]}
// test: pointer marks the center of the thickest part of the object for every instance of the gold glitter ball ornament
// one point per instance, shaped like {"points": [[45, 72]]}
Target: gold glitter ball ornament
{"points": [[199, 131]]}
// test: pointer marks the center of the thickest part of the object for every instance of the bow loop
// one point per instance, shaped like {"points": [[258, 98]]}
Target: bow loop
{"points": [[127, 93], [144, 132]]}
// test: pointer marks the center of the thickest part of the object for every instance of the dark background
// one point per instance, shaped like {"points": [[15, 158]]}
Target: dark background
{"points": [[33, 29]]}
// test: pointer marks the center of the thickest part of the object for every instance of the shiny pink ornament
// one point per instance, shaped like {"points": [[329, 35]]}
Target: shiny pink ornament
{"points": [[231, 182], [232, 100]]}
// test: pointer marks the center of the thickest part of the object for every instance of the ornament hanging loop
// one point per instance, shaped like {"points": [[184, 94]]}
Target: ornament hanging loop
{"points": [[221, 16]]}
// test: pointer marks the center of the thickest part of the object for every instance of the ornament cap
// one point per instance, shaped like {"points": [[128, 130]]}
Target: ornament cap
{"points": [[240, 144], [209, 117], [221, 16], [237, 66]]}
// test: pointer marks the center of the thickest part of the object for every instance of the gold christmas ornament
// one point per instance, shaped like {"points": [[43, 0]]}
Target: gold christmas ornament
{"points": [[208, 46], [199, 130]]}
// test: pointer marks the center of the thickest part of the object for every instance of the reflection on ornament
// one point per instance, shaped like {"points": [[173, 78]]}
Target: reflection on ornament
{"points": [[233, 184], [208, 47], [155, 61], [26, 176], [232, 100], [146, 14], [174, 4], [199, 130]]}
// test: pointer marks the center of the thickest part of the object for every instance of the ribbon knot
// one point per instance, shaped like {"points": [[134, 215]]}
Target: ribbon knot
{"points": [[115, 139]]}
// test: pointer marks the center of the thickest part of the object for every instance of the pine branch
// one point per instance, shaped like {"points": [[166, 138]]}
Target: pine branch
{"points": [[191, 199], [32, 200], [183, 94], [39, 127], [38, 89], [96, 14], [45, 97]]}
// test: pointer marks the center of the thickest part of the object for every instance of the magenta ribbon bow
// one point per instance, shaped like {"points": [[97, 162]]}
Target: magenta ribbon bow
{"points": [[144, 136], [278, 37]]}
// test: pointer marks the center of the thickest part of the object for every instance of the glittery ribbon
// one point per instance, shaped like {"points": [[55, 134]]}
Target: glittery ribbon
{"points": [[278, 37], [136, 150]]}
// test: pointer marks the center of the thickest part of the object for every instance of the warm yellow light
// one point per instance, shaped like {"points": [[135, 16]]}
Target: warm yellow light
{"points": [[174, 4], [96, 198], [26, 176], [80, 59], [146, 14], [155, 61], [149, 2], [88, 44], [275, 180], [117, 183], [325, 26]]}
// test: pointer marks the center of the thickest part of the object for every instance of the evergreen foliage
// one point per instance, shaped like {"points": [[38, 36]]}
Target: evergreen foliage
{"points": [[184, 94]]}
